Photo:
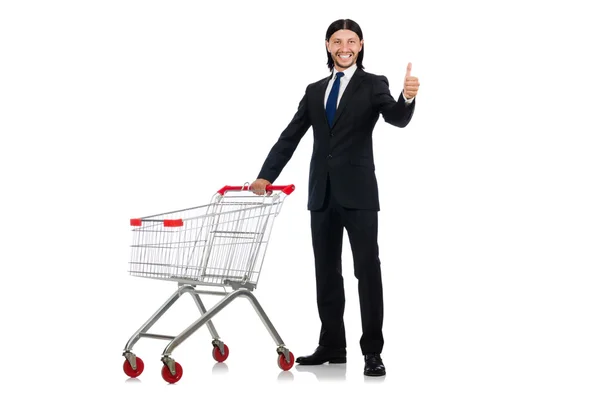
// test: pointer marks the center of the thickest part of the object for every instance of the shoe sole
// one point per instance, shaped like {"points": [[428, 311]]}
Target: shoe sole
{"points": [[366, 374], [339, 360]]}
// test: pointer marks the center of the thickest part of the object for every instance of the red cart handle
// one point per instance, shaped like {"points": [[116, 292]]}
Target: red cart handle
{"points": [[165, 222], [287, 189]]}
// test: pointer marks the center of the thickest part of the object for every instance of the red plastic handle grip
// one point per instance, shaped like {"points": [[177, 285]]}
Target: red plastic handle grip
{"points": [[287, 189], [165, 222]]}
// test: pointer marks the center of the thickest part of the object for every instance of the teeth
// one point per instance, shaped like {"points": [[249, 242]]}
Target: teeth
{"points": [[344, 56]]}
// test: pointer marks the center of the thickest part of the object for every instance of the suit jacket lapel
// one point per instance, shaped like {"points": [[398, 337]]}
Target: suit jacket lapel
{"points": [[355, 81]]}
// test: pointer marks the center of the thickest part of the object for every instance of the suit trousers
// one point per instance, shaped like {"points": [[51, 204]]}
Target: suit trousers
{"points": [[327, 228]]}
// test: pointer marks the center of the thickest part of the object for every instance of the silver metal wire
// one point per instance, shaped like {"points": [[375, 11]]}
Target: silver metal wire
{"points": [[221, 243]]}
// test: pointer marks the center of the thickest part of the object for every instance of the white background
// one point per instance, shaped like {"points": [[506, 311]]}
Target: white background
{"points": [[489, 223]]}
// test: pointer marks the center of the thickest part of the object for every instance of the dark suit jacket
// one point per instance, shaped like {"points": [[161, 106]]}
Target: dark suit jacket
{"points": [[343, 153]]}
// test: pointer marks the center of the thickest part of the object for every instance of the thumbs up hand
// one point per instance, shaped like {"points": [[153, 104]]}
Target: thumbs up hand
{"points": [[411, 83]]}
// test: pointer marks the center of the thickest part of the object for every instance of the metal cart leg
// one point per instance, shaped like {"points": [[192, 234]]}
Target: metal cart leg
{"points": [[156, 316], [213, 331], [281, 349], [131, 358]]}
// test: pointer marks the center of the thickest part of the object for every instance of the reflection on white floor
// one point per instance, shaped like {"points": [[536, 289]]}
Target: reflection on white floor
{"points": [[325, 372]]}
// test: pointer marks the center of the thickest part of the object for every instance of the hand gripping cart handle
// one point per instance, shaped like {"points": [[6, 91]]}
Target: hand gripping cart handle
{"points": [[213, 249]]}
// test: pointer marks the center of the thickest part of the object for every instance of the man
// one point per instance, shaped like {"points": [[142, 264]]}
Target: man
{"points": [[343, 109]]}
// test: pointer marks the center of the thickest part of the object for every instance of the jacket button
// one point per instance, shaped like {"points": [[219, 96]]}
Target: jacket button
{"points": [[330, 156]]}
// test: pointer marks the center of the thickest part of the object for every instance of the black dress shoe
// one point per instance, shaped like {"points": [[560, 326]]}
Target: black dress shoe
{"points": [[323, 355], [373, 365]]}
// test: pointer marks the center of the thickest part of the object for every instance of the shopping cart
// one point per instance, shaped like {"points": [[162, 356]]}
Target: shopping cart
{"points": [[219, 247]]}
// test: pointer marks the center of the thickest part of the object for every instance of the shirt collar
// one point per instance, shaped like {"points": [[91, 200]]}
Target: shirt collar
{"points": [[348, 73]]}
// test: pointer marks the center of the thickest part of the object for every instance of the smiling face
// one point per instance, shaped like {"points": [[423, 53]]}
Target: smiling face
{"points": [[344, 46]]}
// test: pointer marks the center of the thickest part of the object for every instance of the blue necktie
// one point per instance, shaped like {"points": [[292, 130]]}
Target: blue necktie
{"points": [[331, 106]]}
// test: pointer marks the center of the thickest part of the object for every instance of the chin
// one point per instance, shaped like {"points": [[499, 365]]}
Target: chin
{"points": [[345, 65]]}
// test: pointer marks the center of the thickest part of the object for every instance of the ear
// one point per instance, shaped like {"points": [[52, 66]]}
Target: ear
{"points": [[362, 42], [327, 46]]}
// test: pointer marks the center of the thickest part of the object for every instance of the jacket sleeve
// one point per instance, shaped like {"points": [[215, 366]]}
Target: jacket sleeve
{"points": [[397, 113], [287, 143]]}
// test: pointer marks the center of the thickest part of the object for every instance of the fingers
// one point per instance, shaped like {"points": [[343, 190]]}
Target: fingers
{"points": [[259, 187], [411, 83], [411, 90]]}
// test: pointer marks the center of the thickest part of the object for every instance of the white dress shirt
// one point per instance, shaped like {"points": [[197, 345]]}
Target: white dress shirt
{"points": [[348, 73]]}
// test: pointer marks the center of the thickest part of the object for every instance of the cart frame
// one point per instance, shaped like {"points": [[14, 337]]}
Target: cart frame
{"points": [[238, 279]]}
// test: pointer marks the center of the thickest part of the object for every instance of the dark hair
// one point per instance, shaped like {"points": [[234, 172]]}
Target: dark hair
{"points": [[344, 24]]}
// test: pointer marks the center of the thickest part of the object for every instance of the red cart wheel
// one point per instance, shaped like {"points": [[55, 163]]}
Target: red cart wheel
{"points": [[133, 373], [166, 374], [217, 353], [284, 365]]}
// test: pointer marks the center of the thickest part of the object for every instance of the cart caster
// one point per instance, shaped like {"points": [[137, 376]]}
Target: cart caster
{"points": [[218, 356], [283, 364], [168, 376], [128, 369]]}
